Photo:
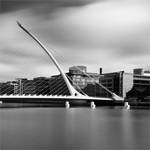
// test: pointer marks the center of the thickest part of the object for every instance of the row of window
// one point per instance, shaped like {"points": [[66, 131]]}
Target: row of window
{"points": [[141, 82]]}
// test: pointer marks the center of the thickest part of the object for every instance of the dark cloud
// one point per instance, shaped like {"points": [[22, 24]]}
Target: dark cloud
{"points": [[50, 5]]}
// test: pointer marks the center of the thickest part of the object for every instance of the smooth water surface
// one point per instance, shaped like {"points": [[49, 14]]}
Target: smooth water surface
{"points": [[74, 128]]}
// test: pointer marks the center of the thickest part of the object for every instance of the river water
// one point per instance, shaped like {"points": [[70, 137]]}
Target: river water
{"points": [[76, 128]]}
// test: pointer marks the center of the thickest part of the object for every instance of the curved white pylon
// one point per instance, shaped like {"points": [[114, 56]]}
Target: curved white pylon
{"points": [[72, 90]]}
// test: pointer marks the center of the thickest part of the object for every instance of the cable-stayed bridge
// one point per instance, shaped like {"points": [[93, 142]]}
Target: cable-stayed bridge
{"points": [[63, 91]]}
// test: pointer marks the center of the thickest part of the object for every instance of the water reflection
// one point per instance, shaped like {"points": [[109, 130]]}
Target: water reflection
{"points": [[75, 128]]}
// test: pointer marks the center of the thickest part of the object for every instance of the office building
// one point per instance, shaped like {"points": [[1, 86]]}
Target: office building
{"points": [[6, 88], [141, 85], [57, 86], [117, 82], [84, 81], [41, 85]]}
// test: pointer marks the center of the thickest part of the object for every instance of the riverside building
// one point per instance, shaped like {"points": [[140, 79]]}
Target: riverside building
{"points": [[141, 85], [118, 82], [134, 85], [84, 81], [80, 77], [6, 88]]}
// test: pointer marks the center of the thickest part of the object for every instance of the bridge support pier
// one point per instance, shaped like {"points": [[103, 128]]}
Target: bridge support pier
{"points": [[126, 105], [67, 105], [93, 106]]}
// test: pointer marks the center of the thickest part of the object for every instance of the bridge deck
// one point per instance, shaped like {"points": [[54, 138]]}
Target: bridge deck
{"points": [[63, 98]]}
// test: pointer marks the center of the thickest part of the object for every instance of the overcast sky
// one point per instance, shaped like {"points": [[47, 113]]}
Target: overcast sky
{"points": [[113, 34]]}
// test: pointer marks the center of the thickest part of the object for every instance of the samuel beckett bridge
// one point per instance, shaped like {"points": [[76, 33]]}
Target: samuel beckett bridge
{"points": [[41, 92]]}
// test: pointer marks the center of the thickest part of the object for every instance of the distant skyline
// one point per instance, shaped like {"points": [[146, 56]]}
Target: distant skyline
{"points": [[112, 34]]}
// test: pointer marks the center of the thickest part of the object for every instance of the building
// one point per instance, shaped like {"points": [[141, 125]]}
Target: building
{"points": [[141, 85], [19, 86], [41, 85], [38, 86], [117, 82], [57, 86], [6, 88], [28, 87], [84, 81], [80, 77], [134, 85]]}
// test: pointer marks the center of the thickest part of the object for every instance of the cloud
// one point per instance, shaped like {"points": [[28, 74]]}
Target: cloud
{"points": [[114, 34], [100, 25]]}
